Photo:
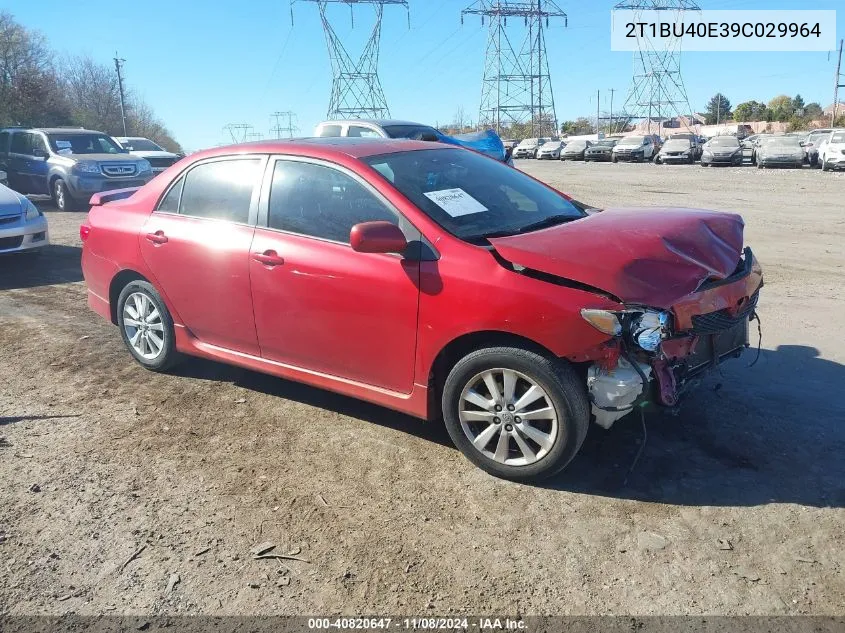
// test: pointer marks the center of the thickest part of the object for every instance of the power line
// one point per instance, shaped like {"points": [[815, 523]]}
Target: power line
{"points": [[657, 90], [517, 87], [238, 132], [356, 87], [283, 123]]}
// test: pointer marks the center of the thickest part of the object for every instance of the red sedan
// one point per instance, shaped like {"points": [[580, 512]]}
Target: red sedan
{"points": [[427, 279]]}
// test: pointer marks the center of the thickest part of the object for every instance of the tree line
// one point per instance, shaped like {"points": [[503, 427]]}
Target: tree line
{"points": [[783, 109], [37, 89]]}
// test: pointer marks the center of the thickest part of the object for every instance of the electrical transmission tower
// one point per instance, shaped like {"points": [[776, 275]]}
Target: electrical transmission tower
{"points": [[283, 124], [238, 132], [356, 89], [657, 92], [517, 87]]}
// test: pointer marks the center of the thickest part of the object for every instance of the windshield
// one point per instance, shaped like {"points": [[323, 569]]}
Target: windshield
{"points": [[632, 140], [606, 143], [552, 145], [817, 137], [470, 195], [529, 142], [410, 131], [84, 144], [141, 145], [838, 137], [677, 144], [576, 145], [784, 141], [724, 141]]}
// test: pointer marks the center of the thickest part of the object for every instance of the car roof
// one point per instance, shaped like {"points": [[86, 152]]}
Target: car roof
{"points": [[379, 122], [64, 130], [324, 147]]}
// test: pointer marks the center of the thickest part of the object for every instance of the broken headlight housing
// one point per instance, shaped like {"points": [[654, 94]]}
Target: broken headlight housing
{"points": [[643, 326]]}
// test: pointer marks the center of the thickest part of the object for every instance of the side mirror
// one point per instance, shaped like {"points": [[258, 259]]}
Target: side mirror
{"points": [[39, 153], [377, 237]]}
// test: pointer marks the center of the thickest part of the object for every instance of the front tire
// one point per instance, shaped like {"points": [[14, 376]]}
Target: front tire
{"points": [[825, 165], [146, 326], [514, 413], [62, 198]]}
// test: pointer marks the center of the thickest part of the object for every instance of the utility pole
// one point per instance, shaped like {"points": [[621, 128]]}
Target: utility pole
{"points": [[598, 113], [612, 129], [118, 64], [837, 84]]}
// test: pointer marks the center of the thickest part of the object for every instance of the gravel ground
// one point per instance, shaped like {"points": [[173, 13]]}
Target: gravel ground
{"points": [[116, 482]]}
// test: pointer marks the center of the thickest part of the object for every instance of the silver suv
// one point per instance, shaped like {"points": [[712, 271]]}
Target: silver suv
{"points": [[70, 164]]}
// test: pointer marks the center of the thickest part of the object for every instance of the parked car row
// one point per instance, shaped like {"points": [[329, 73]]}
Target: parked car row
{"points": [[820, 148]]}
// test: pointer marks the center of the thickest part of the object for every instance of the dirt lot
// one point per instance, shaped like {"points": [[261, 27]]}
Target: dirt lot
{"points": [[114, 479]]}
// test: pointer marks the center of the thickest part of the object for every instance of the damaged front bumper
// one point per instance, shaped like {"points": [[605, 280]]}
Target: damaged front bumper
{"points": [[708, 327]]}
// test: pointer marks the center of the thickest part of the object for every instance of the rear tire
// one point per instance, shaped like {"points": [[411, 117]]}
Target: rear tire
{"points": [[503, 443], [146, 326]]}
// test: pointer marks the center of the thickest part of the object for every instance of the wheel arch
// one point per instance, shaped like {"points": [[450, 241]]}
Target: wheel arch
{"points": [[459, 347], [117, 284]]}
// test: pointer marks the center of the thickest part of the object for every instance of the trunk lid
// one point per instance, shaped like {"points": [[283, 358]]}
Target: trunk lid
{"points": [[652, 257]]}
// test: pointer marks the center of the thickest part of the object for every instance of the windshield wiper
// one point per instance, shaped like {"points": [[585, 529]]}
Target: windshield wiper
{"points": [[552, 220]]}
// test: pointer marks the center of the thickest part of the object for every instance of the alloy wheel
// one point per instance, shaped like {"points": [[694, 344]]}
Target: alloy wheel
{"points": [[508, 417], [60, 195], [143, 325]]}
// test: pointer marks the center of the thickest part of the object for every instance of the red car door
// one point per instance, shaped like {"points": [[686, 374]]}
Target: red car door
{"points": [[318, 304], [197, 242]]}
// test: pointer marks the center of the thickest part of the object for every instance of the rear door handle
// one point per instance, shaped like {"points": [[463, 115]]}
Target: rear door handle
{"points": [[157, 238], [269, 258]]}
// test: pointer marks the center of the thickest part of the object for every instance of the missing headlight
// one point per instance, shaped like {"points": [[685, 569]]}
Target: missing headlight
{"points": [[649, 329]]}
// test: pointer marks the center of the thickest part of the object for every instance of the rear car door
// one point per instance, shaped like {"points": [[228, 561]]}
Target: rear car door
{"points": [[197, 242], [20, 155], [319, 305]]}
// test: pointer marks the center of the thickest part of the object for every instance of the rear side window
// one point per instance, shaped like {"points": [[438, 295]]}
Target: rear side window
{"points": [[21, 143], [220, 190], [330, 130], [170, 202], [319, 201], [4, 142]]}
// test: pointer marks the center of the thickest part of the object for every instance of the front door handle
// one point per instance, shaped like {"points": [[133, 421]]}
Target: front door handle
{"points": [[269, 258], [157, 238]]}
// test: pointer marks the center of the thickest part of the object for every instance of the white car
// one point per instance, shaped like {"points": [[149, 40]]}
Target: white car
{"points": [[158, 157], [551, 150], [832, 151], [377, 128], [23, 228]]}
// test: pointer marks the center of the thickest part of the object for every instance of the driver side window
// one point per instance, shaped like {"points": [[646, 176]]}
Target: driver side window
{"points": [[320, 201]]}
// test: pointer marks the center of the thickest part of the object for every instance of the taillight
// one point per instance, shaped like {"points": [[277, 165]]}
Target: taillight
{"points": [[84, 231]]}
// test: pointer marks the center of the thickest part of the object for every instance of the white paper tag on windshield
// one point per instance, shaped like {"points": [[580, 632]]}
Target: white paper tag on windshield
{"points": [[455, 202]]}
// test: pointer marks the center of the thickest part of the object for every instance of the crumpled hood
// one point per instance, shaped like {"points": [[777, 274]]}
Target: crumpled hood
{"points": [[652, 256]]}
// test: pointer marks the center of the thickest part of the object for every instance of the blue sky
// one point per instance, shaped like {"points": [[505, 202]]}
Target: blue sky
{"points": [[202, 65]]}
